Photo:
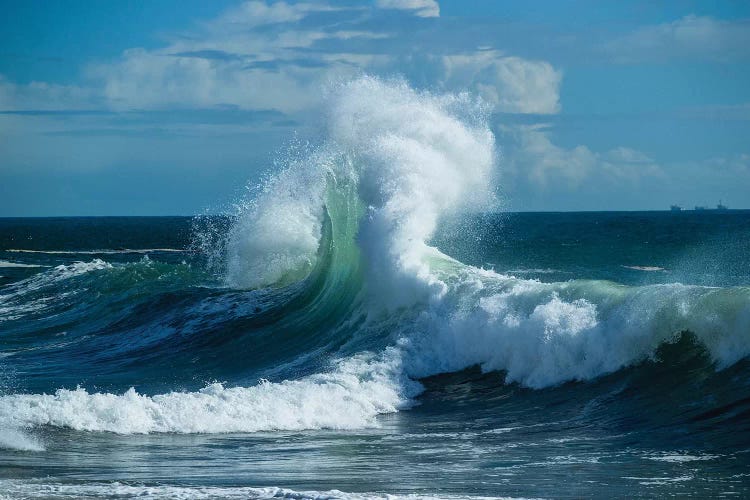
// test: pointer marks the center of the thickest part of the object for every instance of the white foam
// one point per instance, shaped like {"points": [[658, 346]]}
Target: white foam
{"points": [[63, 272], [57, 274], [544, 334], [15, 488], [6, 263], [645, 268], [679, 458], [15, 301], [659, 480], [349, 397]]}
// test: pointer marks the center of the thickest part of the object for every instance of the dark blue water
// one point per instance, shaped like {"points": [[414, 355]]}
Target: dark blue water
{"points": [[595, 355]]}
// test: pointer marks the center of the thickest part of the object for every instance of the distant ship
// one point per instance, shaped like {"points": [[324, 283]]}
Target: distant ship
{"points": [[701, 208], [675, 208]]}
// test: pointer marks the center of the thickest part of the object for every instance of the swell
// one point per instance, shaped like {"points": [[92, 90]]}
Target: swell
{"points": [[156, 324], [328, 286], [676, 397]]}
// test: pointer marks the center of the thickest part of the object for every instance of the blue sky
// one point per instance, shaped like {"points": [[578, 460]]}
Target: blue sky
{"points": [[166, 107]]}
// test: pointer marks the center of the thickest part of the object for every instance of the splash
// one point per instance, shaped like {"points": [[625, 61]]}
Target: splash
{"points": [[408, 173]]}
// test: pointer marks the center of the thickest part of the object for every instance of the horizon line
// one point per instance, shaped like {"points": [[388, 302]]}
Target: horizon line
{"points": [[703, 211]]}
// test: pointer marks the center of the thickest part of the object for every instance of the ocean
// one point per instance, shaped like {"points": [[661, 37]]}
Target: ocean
{"points": [[369, 323]]}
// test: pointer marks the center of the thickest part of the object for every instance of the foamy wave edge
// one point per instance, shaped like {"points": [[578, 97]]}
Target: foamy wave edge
{"points": [[349, 397], [13, 488]]}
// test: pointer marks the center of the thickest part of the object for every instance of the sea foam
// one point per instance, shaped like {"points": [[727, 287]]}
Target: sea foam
{"points": [[61, 491], [348, 397]]}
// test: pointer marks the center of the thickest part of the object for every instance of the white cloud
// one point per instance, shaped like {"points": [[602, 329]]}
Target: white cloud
{"points": [[421, 8], [630, 165], [535, 157], [231, 63], [147, 80], [258, 13], [280, 69], [44, 96], [691, 38], [257, 56], [512, 84]]}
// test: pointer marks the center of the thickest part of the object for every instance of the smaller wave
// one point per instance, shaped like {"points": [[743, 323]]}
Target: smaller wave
{"points": [[679, 457], [56, 490], [104, 251], [16, 303], [5, 263], [650, 269], [58, 273], [350, 397]]}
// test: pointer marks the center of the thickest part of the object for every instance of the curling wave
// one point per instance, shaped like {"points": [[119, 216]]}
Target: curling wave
{"points": [[341, 235]]}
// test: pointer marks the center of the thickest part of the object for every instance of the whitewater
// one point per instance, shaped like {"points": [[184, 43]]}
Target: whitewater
{"points": [[327, 305]]}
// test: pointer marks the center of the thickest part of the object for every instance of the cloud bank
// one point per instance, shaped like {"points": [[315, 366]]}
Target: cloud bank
{"points": [[689, 38]]}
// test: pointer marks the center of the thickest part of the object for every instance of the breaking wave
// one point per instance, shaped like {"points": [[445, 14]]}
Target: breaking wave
{"points": [[335, 247]]}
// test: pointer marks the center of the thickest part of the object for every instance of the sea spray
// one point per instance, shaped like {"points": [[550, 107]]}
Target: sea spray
{"points": [[418, 161], [275, 238]]}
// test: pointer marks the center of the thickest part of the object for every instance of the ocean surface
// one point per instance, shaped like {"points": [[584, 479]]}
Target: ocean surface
{"points": [[369, 323]]}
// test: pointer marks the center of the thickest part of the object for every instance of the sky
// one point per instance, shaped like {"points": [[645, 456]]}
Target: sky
{"points": [[172, 107]]}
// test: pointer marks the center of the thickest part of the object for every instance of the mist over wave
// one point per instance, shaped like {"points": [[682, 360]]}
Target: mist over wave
{"points": [[338, 242]]}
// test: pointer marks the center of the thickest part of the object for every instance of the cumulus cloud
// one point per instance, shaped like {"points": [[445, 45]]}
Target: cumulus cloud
{"points": [[267, 56], [283, 66], [533, 155], [146, 80], [512, 84], [275, 56], [421, 8], [232, 62], [692, 38]]}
